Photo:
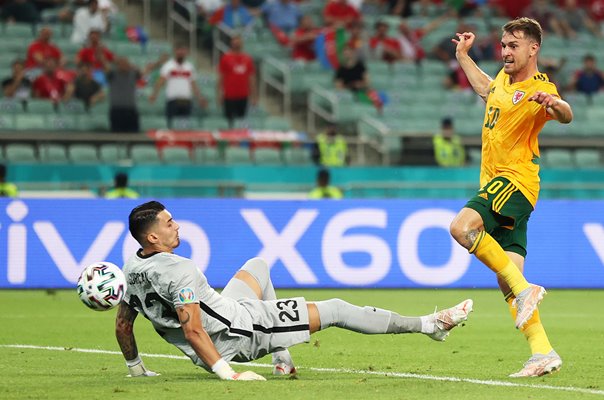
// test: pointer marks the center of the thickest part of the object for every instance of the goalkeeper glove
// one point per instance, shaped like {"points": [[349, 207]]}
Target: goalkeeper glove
{"points": [[224, 371], [137, 368]]}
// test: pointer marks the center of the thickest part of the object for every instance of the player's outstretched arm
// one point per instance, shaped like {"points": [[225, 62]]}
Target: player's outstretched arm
{"points": [[189, 316], [555, 106], [478, 78], [124, 332]]}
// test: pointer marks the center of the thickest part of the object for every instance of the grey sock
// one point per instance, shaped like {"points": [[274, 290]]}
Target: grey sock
{"points": [[368, 320]]}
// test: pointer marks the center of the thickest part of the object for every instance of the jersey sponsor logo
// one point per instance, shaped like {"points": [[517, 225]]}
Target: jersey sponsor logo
{"points": [[518, 95], [484, 196], [186, 295]]}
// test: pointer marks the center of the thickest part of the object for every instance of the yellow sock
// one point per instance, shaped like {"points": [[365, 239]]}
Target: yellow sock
{"points": [[533, 330], [487, 250]]}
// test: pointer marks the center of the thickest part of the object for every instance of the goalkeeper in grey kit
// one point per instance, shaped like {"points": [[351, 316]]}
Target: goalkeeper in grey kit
{"points": [[246, 320]]}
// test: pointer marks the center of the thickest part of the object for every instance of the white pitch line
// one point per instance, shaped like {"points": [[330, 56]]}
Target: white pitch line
{"points": [[334, 370]]}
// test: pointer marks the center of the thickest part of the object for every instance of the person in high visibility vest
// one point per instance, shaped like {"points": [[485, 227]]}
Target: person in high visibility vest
{"points": [[7, 189], [448, 149], [332, 148], [324, 190], [121, 189]]}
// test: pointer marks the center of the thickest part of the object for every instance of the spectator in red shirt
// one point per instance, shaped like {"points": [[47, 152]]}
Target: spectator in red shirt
{"points": [[42, 49], [95, 53], [339, 13], [50, 85], [303, 40], [236, 81], [596, 10], [384, 47]]}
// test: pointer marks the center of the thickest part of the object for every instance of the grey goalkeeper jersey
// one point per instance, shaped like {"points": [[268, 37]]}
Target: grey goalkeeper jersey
{"points": [[160, 282]]}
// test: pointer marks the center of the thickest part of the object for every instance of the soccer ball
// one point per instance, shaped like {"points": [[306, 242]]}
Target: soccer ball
{"points": [[101, 286]]}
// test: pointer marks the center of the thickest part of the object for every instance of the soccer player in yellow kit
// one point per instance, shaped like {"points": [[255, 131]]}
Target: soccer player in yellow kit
{"points": [[492, 225]]}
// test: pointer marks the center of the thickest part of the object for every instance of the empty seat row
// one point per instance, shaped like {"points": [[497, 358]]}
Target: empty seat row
{"points": [[149, 154]]}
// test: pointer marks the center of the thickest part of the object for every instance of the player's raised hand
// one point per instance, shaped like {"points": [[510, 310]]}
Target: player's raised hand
{"points": [[545, 99], [464, 42]]}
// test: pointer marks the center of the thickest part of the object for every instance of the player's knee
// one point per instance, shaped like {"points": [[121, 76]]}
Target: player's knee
{"points": [[461, 233], [258, 268], [457, 230]]}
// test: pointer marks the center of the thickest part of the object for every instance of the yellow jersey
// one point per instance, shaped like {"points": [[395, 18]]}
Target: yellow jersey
{"points": [[509, 134]]}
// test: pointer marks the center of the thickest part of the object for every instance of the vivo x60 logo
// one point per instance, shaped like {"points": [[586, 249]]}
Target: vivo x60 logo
{"points": [[338, 236]]}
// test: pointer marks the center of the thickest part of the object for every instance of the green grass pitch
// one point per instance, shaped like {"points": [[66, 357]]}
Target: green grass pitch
{"points": [[474, 361]]}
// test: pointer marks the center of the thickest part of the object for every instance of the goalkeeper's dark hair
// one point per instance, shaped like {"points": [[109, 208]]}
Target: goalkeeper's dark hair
{"points": [[142, 217], [530, 27]]}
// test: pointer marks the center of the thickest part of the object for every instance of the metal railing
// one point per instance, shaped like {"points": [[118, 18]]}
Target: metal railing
{"points": [[365, 126], [190, 25], [317, 99], [221, 37], [146, 5], [276, 75]]}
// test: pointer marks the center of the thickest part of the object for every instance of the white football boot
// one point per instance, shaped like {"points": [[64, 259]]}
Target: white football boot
{"points": [[283, 363], [527, 302], [539, 365], [449, 318]]}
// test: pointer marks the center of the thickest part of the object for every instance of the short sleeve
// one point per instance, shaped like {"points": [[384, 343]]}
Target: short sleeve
{"points": [[187, 283], [165, 69]]}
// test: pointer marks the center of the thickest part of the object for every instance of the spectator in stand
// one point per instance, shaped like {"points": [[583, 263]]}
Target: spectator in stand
{"points": [[303, 40], [17, 86], [236, 85], [588, 80], [507, 8], [402, 8], [87, 19], [574, 19], [19, 11], [50, 84], [283, 14], [351, 74], [95, 53], [205, 8], [122, 81], [384, 47], [120, 188], [357, 41], [545, 14], [339, 13], [596, 10], [42, 49], [445, 51], [330, 150], [7, 189], [234, 15], [448, 148], [490, 47], [324, 190], [410, 39], [178, 74], [445, 48], [85, 88]]}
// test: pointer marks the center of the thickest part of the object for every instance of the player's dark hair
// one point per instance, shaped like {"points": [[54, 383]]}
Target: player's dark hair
{"points": [[142, 217], [530, 27]]}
